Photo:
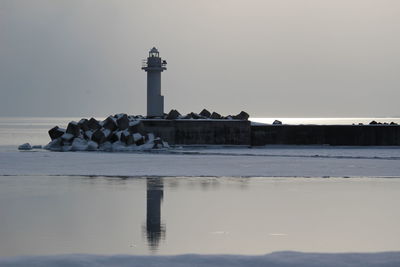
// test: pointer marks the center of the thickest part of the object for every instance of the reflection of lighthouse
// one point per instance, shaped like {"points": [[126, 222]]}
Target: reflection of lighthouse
{"points": [[154, 229], [154, 65]]}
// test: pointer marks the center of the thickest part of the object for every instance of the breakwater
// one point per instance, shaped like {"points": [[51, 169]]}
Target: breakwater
{"points": [[238, 132], [125, 133], [201, 132], [335, 135]]}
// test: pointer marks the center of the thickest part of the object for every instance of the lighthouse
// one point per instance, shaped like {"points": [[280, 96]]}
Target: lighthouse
{"points": [[154, 65]]}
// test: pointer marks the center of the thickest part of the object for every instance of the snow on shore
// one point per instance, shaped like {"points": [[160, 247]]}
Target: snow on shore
{"points": [[245, 162], [281, 259]]}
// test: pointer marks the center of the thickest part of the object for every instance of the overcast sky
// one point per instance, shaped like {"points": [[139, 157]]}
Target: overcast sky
{"points": [[271, 58]]}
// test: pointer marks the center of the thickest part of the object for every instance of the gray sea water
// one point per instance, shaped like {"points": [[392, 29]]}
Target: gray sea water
{"points": [[207, 215]]}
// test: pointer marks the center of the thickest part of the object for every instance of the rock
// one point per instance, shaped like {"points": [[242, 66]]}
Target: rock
{"points": [[79, 144], [37, 147], [149, 138], [277, 122], [73, 128], [88, 134], [194, 116], [173, 115], [123, 122], [54, 145], [114, 137], [205, 113], [56, 132], [393, 123], [92, 146], [66, 148], [215, 116], [106, 146], [98, 136], [136, 127], [116, 133], [158, 143], [127, 138], [119, 146], [67, 137], [117, 116], [93, 124], [242, 116], [25, 146], [107, 133], [165, 144], [110, 124], [140, 141], [84, 125], [137, 137], [186, 117], [66, 143], [373, 123]]}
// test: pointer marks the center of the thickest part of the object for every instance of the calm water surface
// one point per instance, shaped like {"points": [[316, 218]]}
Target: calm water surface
{"points": [[56, 215]]}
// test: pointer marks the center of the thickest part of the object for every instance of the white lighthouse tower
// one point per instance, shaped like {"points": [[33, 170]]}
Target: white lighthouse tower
{"points": [[154, 66]]}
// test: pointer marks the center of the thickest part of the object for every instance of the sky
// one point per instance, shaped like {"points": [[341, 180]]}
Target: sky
{"points": [[271, 58]]}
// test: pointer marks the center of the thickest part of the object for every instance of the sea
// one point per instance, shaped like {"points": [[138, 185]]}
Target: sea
{"points": [[43, 214]]}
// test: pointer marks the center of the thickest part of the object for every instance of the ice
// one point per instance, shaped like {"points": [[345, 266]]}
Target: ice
{"points": [[107, 146], [151, 137], [118, 134], [54, 145], [119, 146], [277, 259], [89, 134], [118, 116], [25, 146], [67, 136], [79, 144], [106, 132], [66, 148], [134, 122], [137, 136], [236, 162], [165, 144], [92, 146]]}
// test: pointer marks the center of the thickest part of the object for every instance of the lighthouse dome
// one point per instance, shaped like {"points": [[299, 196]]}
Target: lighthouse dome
{"points": [[154, 52]]}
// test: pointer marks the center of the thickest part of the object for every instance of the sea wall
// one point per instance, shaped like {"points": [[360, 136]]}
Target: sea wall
{"points": [[336, 135], [239, 132], [201, 132]]}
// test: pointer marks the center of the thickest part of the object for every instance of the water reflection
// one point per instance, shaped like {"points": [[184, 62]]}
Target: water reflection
{"points": [[155, 230], [52, 215]]}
